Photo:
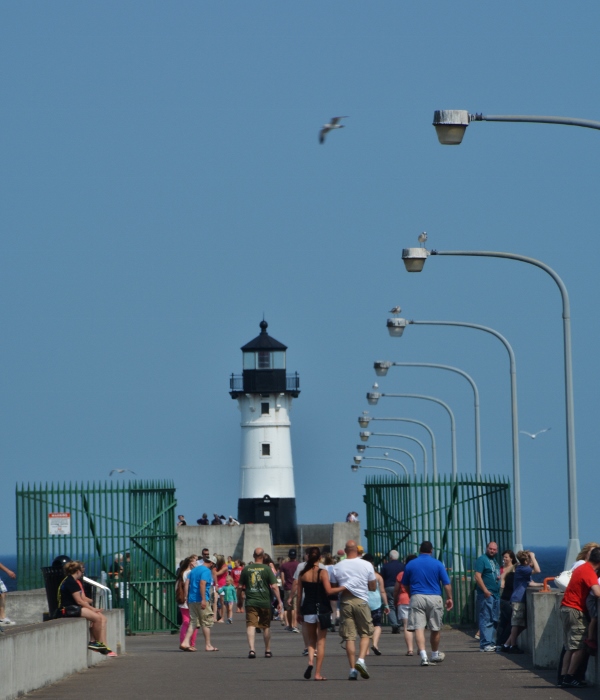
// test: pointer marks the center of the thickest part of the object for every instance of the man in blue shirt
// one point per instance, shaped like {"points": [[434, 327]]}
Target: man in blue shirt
{"points": [[487, 578], [424, 578], [197, 591]]}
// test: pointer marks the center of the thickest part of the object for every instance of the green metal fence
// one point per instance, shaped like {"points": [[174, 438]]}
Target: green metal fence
{"points": [[125, 534], [458, 515]]}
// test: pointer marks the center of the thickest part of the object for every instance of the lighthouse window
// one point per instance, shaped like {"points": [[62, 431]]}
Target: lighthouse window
{"points": [[264, 359], [264, 408], [266, 449], [278, 360]]}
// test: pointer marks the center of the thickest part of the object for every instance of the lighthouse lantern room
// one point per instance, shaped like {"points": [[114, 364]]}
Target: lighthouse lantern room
{"points": [[264, 393]]}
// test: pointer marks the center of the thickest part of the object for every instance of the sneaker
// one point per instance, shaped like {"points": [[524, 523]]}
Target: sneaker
{"points": [[305, 652], [96, 646], [572, 682], [439, 658], [7, 621], [361, 667], [112, 654], [289, 629], [229, 621], [295, 630], [489, 648], [425, 662], [353, 675], [395, 630], [515, 650]]}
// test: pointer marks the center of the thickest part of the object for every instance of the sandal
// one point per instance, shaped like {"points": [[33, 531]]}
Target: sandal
{"points": [[409, 653], [322, 678], [308, 672], [268, 655], [251, 654], [376, 651]]}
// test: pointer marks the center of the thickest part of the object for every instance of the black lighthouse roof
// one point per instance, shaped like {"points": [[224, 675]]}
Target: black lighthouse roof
{"points": [[263, 341]]}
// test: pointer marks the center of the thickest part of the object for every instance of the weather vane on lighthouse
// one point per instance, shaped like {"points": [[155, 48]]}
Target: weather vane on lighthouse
{"points": [[264, 393]]}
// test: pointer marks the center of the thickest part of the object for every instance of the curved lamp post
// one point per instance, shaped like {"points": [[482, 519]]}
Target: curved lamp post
{"points": [[358, 460], [381, 369], [451, 124], [374, 396], [367, 435], [414, 260], [362, 448], [365, 419], [396, 327]]}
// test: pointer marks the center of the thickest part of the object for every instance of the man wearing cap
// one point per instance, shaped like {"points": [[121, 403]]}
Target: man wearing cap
{"points": [[197, 592], [258, 581], [287, 571]]}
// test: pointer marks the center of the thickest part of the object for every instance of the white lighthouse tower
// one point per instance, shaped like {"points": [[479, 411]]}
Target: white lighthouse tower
{"points": [[264, 393]]}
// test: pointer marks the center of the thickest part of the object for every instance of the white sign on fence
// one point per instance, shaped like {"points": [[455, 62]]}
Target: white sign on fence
{"points": [[59, 523]]}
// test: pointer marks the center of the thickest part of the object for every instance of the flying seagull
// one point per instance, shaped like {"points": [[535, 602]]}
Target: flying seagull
{"points": [[395, 310], [333, 124], [120, 471], [534, 435]]}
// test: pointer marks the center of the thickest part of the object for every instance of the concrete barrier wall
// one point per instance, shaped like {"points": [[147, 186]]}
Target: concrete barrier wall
{"points": [[342, 532], [239, 541], [27, 607], [37, 655]]}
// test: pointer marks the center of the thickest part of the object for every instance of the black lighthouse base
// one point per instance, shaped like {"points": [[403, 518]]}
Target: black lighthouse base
{"points": [[278, 513]]}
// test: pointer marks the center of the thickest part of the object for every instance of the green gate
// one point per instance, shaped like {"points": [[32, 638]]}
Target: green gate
{"points": [[125, 534], [458, 515]]}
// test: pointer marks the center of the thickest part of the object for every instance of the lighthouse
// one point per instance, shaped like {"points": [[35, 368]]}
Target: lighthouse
{"points": [[264, 393]]}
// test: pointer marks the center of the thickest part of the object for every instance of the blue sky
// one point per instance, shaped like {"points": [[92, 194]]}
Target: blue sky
{"points": [[162, 187]]}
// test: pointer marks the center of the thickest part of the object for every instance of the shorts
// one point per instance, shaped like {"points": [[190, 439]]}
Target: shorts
{"points": [[518, 617], [201, 617], [355, 618], [574, 628], [311, 619], [402, 612], [376, 617], [3, 588], [289, 600], [258, 617], [425, 611]]}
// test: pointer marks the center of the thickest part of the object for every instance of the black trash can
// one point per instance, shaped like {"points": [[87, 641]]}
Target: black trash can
{"points": [[53, 577]]}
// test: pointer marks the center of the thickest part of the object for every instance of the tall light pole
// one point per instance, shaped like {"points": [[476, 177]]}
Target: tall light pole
{"points": [[365, 419], [358, 460], [451, 124], [414, 260], [396, 327], [362, 448], [374, 396], [365, 435], [381, 369]]}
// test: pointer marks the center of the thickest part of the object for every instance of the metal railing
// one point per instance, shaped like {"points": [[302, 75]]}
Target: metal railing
{"points": [[470, 512], [292, 382]]}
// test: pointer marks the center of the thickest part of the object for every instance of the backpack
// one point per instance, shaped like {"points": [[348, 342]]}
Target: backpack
{"points": [[180, 591]]}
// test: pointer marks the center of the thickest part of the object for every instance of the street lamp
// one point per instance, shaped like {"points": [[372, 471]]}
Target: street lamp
{"points": [[365, 419], [573, 545], [362, 448], [451, 124], [358, 465], [381, 369], [513, 399], [374, 396]]}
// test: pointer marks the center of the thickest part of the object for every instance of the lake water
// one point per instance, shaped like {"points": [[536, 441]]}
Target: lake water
{"points": [[550, 559]]}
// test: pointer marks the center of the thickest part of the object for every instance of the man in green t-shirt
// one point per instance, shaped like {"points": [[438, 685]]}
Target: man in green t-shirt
{"points": [[487, 579], [258, 580]]}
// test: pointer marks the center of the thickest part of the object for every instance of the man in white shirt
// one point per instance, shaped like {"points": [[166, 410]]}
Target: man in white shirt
{"points": [[358, 578]]}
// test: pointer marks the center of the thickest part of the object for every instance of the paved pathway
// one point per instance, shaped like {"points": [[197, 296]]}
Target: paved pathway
{"points": [[153, 667]]}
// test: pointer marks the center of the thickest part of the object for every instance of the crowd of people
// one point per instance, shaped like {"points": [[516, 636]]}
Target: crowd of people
{"points": [[204, 520], [323, 592]]}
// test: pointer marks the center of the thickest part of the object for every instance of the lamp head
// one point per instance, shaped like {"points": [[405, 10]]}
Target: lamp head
{"points": [[361, 448], [364, 420], [414, 260], [396, 327], [365, 435], [373, 397], [450, 125], [358, 459], [381, 368], [354, 467]]}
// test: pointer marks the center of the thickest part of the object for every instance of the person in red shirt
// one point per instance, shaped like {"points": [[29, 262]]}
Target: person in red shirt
{"points": [[583, 580], [287, 571], [236, 572]]}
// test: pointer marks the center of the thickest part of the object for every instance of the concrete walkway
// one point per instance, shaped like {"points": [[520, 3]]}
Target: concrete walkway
{"points": [[153, 667]]}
